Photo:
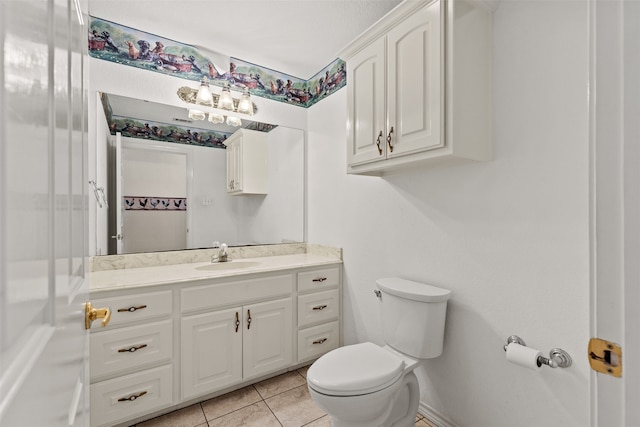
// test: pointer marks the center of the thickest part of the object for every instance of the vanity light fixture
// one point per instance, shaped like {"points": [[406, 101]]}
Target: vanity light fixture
{"points": [[225, 101]]}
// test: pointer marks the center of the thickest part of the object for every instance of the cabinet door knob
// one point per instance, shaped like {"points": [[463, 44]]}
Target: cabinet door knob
{"points": [[389, 139], [237, 322], [378, 143], [248, 319]]}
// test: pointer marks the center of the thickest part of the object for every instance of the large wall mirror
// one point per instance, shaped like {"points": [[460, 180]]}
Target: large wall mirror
{"points": [[166, 194]]}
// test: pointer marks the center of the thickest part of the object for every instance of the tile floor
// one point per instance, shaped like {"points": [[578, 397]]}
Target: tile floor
{"points": [[282, 401]]}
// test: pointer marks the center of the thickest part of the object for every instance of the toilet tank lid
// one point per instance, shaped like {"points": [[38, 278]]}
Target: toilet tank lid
{"points": [[413, 290]]}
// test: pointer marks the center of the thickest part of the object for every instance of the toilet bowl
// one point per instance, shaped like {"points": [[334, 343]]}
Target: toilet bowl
{"points": [[367, 385], [364, 385]]}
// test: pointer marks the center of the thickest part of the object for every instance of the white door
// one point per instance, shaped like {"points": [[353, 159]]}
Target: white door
{"points": [[267, 338], [615, 176], [43, 203], [415, 89], [119, 232], [366, 105], [212, 351]]}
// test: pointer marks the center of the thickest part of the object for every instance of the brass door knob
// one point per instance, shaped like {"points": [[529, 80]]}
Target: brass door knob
{"points": [[91, 314]]}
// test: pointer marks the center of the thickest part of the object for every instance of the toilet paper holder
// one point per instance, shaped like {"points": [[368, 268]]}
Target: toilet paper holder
{"points": [[558, 358]]}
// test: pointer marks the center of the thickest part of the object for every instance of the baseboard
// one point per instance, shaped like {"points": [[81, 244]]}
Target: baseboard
{"points": [[434, 416]]}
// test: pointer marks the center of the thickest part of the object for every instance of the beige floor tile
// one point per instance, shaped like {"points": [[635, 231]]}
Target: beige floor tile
{"points": [[424, 422], [191, 416], [294, 408], [279, 384], [320, 422], [256, 415], [303, 371], [222, 405]]}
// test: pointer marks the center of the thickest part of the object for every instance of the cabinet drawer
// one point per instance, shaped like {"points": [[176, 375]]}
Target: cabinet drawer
{"points": [[314, 342], [318, 279], [238, 292], [132, 395], [318, 307], [135, 346], [134, 308]]}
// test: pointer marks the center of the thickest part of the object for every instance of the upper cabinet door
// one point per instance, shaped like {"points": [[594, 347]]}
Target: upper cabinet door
{"points": [[415, 89], [366, 126]]}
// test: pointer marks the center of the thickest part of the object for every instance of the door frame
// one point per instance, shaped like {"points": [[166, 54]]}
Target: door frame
{"points": [[614, 105]]}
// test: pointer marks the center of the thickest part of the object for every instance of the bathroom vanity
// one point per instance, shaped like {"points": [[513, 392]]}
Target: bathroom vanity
{"points": [[183, 333]]}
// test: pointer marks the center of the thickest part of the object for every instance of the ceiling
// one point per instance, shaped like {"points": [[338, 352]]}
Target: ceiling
{"points": [[295, 37]]}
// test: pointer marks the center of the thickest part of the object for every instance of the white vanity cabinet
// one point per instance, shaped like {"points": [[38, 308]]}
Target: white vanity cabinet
{"points": [[132, 358], [221, 347], [420, 87], [247, 162], [319, 308], [175, 343]]}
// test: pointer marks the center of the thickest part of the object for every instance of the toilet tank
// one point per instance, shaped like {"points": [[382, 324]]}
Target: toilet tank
{"points": [[413, 316]]}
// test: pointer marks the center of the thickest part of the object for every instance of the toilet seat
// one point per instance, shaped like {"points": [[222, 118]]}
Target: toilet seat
{"points": [[355, 370]]}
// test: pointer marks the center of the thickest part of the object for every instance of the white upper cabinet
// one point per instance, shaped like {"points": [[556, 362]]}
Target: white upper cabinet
{"points": [[420, 87], [247, 166]]}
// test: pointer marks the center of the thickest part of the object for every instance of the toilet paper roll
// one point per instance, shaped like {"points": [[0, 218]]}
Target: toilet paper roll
{"points": [[523, 356]]}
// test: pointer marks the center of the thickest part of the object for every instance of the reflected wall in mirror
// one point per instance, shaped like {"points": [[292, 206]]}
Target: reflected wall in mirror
{"points": [[173, 196]]}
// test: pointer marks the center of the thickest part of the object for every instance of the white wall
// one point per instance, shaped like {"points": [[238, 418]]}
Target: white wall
{"points": [[509, 236], [285, 193]]}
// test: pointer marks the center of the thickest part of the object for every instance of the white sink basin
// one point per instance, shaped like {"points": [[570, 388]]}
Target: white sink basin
{"points": [[229, 265]]}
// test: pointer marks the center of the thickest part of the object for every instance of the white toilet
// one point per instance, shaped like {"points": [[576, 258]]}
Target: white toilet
{"points": [[365, 385]]}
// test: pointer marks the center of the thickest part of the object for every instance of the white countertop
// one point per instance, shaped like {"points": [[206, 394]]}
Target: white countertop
{"points": [[179, 273]]}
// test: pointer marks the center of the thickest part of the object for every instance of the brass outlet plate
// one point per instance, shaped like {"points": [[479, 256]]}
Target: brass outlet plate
{"points": [[605, 357]]}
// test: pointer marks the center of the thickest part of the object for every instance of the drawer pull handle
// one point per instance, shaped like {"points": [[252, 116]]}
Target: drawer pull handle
{"points": [[320, 279], [320, 341], [320, 307], [248, 319], [132, 397], [378, 144], [131, 309], [132, 349], [237, 322]]}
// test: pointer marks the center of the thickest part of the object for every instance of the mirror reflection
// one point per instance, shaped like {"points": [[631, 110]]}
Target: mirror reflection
{"points": [[169, 194]]}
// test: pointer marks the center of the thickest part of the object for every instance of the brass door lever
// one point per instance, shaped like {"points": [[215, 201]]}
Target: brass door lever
{"points": [[91, 314]]}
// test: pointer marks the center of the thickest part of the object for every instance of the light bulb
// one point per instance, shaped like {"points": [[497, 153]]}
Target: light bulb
{"points": [[245, 106], [225, 102], [204, 94], [216, 118], [234, 121], [196, 114]]}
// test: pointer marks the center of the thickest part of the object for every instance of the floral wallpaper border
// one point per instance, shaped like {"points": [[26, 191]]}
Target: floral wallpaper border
{"points": [[136, 203], [128, 46]]}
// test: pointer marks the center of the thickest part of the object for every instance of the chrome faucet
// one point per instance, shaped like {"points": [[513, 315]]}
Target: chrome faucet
{"points": [[223, 254]]}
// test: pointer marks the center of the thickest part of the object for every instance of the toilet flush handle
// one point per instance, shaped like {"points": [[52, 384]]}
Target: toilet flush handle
{"points": [[378, 293]]}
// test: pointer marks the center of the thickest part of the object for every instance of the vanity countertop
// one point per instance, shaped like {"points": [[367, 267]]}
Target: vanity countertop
{"points": [[188, 272]]}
